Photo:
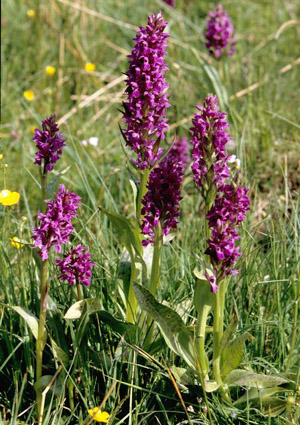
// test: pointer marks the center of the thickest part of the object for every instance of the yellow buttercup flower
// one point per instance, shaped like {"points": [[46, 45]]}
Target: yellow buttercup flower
{"points": [[32, 128], [90, 67], [29, 95], [1, 156], [8, 198], [31, 13], [50, 70], [98, 415], [16, 242]]}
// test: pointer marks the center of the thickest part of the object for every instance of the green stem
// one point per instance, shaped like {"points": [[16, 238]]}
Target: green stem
{"points": [[155, 269], [43, 188], [154, 278], [217, 336], [41, 327], [79, 292], [200, 340], [132, 301]]}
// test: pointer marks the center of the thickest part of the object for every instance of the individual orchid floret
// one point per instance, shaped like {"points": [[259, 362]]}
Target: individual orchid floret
{"points": [[76, 266], [209, 139], [228, 211], [219, 33], [147, 99], [161, 202], [49, 143], [55, 226]]}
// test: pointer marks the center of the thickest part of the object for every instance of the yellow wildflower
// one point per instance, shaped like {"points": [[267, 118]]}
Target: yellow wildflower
{"points": [[90, 67], [29, 95], [98, 415], [50, 70], [16, 242], [1, 156], [32, 128], [31, 13], [9, 198]]}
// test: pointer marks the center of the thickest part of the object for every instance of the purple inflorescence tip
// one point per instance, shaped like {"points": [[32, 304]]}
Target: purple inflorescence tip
{"points": [[49, 143], [219, 33], [56, 224], [76, 266], [209, 138], [147, 100]]}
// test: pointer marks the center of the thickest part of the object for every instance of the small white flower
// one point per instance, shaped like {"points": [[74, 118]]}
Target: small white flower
{"points": [[84, 142], [235, 161], [93, 141]]}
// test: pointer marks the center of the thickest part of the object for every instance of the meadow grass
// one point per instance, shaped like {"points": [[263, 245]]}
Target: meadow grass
{"points": [[259, 88]]}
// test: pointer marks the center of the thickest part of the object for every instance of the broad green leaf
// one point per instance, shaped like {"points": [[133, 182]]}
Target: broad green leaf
{"points": [[31, 321], [93, 305], [59, 354], [203, 297], [258, 395], [227, 336], [175, 333], [246, 378], [183, 375], [125, 231], [211, 386], [124, 273], [233, 354], [44, 381], [273, 406]]}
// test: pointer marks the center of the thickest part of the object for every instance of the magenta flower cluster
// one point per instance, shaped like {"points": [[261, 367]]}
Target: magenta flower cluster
{"points": [[219, 33], [228, 211], [161, 202], [76, 266], [211, 173], [147, 100], [49, 143], [55, 225], [209, 139]]}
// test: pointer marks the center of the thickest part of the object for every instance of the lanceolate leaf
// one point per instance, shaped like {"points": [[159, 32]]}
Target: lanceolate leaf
{"points": [[246, 378], [176, 334], [258, 395], [31, 321], [233, 354]]}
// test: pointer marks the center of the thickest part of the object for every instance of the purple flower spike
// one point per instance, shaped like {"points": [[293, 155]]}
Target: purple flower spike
{"points": [[76, 267], [56, 224], [161, 202], [49, 144], [147, 100], [209, 139], [228, 211], [219, 33]]}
